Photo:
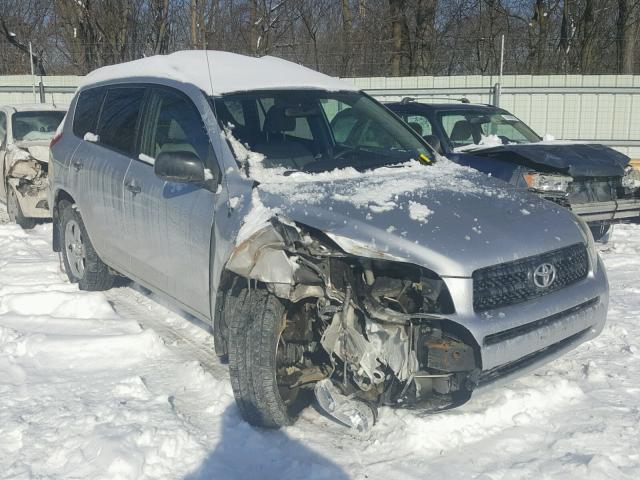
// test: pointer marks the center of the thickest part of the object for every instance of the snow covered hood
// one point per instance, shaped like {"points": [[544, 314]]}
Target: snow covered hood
{"points": [[447, 218], [574, 158], [230, 72]]}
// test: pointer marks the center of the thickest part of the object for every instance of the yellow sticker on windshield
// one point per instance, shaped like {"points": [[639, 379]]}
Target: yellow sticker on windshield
{"points": [[425, 159]]}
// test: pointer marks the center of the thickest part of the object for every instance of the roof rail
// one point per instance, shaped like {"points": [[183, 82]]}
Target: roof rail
{"points": [[413, 99]]}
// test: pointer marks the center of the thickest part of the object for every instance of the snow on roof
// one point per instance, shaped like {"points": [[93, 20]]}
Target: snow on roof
{"points": [[230, 72]]}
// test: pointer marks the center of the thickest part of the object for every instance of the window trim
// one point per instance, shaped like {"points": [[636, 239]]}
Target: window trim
{"points": [[3, 140]]}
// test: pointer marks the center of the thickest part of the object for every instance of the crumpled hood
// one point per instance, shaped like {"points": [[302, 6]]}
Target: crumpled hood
{"points": [[574, 159], [449, 219], [37, 149]]}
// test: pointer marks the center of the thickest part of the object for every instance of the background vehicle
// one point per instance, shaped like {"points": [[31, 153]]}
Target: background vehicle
{"points": [[25, 134], [289, 213], [593, 181]]}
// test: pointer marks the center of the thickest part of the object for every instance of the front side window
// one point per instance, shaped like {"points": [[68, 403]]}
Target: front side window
{"points": [[35, 126], [471, 126], [319, 131], [173, 124], [119, 118]]}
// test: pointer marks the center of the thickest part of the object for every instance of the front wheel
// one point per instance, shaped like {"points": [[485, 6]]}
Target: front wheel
{"points": [[15, 212], [81, 262], [259, 362]]}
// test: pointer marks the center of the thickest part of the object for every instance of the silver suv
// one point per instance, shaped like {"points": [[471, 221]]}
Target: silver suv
{"points": [[329, 249]]}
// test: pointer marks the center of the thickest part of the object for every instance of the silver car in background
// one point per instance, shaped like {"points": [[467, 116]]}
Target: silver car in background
{"points": [[321, 240], [25, 134]]}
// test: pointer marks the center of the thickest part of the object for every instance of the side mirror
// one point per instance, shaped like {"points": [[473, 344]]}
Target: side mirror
{"points": [[179, 167], [434, 142]]}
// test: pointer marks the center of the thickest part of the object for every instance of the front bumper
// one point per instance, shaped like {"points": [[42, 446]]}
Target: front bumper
{"points": [[611, 211], [33, 201], [515, 339]]}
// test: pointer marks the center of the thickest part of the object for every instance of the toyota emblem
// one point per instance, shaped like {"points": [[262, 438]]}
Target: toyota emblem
{"points": [[544, 275]]}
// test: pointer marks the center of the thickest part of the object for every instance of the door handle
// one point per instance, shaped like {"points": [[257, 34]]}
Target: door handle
{"points": [[77, 165], [133, 187]]}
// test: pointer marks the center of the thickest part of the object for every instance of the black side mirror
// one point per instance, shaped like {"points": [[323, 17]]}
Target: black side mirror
{"points": [[434, 142], [179, 167]]}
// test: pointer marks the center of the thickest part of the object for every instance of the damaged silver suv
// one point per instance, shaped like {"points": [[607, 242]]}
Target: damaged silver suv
{"points": [[322, 241]]}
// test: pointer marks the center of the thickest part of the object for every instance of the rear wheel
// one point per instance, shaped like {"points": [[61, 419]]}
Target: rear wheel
{"points": [[81, 262], [15, 212], [262, 362]]}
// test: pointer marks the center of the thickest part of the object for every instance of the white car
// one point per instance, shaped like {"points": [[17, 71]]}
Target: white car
{"points": [[25, 134]]}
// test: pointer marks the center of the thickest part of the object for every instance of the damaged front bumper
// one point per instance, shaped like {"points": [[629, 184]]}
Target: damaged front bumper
{"points": [[32, 198], [609, 212], [517, 339]]}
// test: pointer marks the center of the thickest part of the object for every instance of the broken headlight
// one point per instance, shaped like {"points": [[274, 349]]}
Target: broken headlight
{"points": [[547, 182], [631, 177]]}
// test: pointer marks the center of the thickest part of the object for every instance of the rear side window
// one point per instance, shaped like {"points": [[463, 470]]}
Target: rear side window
{"points": [[87, 111], [119, 118]]}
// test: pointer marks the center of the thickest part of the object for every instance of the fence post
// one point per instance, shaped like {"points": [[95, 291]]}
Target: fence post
{"points": [[497, 91]]}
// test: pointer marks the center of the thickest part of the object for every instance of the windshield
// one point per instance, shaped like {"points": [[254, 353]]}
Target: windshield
{"points": [[316, 131], [34, 126], [468, 127]]}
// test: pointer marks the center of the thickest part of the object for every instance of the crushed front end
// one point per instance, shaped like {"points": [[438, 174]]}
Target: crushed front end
{"points": [[388, 333], [28, 175]]}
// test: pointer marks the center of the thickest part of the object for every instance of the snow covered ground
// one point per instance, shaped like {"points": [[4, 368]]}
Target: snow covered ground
{"points": [[121, 386]]}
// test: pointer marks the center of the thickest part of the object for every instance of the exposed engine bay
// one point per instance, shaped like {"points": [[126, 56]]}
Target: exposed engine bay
{"points": [[375, 328], [27, 172]]}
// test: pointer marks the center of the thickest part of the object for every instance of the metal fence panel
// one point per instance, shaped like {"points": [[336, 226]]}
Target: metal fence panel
{"points": [[572, 107]]}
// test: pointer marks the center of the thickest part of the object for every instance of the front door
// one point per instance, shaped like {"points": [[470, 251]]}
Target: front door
{"points": [[173, 221]]}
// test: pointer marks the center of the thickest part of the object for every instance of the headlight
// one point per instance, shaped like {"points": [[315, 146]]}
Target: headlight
{"points": [[591, 244], [547, 182], [631, 177]]}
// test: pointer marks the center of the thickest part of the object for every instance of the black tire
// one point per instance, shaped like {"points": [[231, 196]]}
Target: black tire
{"points": [[599, 231], [15, 212], [255, 325], [95, 275]]}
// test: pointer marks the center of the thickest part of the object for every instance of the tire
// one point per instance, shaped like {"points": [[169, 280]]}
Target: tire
{"points": [[255, 326], [15, 212], [599, 231], [81, 262]]}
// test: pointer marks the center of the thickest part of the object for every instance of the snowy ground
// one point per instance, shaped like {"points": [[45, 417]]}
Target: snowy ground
{"points": [[113, 386]]}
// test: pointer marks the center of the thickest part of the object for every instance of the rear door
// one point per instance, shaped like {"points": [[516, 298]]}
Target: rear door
{"points": [[100, 163], [172, 221]]}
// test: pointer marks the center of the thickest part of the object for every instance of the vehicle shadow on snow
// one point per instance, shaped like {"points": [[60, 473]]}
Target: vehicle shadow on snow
{"points": [[248, 452]]}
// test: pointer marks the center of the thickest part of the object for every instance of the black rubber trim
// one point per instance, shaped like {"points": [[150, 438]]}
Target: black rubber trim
{"points": [[535, 325]]}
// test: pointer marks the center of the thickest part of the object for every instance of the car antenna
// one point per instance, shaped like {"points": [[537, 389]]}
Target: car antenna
{"points": [[215, 114]]}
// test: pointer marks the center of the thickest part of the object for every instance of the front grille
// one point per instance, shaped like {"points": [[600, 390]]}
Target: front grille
{"points": [[594, 189], [513, 282]]}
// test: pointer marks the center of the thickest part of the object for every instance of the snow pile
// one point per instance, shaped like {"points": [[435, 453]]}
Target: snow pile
{"points": [[419, 212], [486, 141]]}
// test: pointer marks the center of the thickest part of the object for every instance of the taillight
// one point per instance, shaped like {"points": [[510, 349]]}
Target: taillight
{"points": [[55, 139]]}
